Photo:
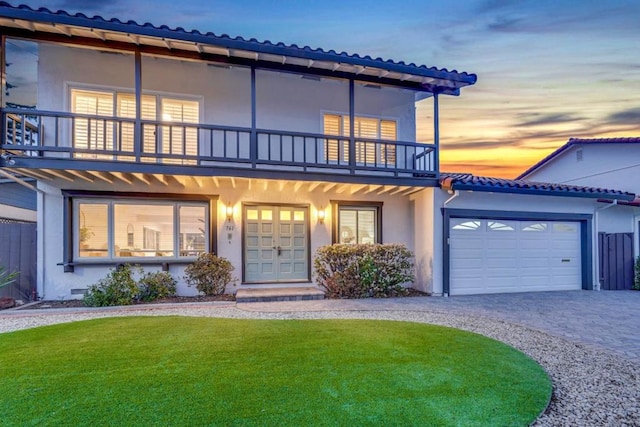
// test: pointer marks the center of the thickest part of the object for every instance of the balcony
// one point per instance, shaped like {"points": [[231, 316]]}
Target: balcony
{"points": [[34, 138]]}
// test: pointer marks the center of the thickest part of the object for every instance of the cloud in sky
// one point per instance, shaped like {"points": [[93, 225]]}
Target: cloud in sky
{"points": [[547, 70]]}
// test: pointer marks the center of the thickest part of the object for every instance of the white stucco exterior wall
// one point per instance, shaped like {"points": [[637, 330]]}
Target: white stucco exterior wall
{"points": [[283, 101], [397, 226]]}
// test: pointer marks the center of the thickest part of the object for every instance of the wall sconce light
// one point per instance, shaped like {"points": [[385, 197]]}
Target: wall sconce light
{"points": [[229, 211], [321, 215]]}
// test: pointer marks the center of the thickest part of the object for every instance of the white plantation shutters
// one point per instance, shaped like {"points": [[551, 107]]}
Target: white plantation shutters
{"points": [[127, 108], [368, 153], [180, 139], [337, 149], [96, 134]]}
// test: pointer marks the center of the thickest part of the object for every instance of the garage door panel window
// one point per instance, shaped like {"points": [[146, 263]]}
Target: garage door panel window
{"points": [[534, 226], [466, 225], [500, 226], [564, 227]]}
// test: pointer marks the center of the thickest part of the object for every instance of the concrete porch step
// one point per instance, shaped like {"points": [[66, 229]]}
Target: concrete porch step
{"points": [[279, 294]]}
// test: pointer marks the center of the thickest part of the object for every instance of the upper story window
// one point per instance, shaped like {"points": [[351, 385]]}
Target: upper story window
{"points": [[368, 153], [160, 137]]}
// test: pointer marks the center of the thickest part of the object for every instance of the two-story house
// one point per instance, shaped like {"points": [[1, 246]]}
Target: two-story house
{"points": [[152, 145]]}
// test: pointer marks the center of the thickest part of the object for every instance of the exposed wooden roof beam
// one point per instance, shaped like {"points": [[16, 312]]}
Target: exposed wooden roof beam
{"points": [[411, 190], [99, 34], [216, 182], [122, 177], [25, 24], [142, 177], [63, 29], [314, 185], [160, 179], [81, 175], [36, 175], [233, 182], [100, 175], [356, 188], [372, 188], [343, 187], [195, 181], [386, 189], [329, 186], [59, 174], [398, 190], [297, 186]]}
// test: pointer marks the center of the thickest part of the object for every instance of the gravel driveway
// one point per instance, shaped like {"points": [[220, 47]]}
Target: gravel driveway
{"points": [[593, 385]]}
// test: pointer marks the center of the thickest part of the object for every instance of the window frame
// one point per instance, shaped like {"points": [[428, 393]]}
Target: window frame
{"points": [[337, 205], [337, 149], [116, 93], [72, 198]]}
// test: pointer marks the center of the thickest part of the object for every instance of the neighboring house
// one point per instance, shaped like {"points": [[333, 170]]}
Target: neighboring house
{"points": [[152, 145], [17, 202], [604, 163]]}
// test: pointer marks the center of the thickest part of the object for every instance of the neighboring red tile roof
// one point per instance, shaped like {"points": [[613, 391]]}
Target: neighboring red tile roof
{"points": [[466, 181], [580, 141]]}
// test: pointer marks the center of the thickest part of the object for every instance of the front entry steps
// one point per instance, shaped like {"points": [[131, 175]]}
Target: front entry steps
{"points": [[278, 294]]}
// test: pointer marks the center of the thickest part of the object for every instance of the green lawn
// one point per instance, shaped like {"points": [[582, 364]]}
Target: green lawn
{"points": [[200, 371]]}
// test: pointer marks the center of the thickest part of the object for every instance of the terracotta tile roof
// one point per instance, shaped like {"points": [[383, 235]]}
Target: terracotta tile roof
{"points": [[147, 29], [466, 181]]}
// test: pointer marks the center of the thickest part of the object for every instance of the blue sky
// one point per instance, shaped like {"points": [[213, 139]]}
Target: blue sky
{"points": [[547, 70]]}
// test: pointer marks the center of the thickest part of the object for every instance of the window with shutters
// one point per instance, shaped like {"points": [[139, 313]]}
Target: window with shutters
{"points": [[357, 222], [367, 153], [107, 134]]}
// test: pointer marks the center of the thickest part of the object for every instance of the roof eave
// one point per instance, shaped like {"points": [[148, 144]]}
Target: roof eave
{"points": [[541, 192], [457, 80]]}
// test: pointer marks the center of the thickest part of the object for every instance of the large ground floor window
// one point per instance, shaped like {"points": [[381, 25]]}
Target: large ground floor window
{"points": [[122, 228]]}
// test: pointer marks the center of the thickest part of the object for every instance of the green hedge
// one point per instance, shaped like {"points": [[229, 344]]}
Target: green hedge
{"points": [[363, 271]]}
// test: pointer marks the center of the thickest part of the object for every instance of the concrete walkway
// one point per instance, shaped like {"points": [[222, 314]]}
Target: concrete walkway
{"points": [[606, 319]]}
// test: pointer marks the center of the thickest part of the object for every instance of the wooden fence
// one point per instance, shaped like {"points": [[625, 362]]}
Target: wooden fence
{"points": [[18, 253], [616, 261]]}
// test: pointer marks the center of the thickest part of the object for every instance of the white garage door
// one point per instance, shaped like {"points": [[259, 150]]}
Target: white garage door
{"points": [[493, 256]]}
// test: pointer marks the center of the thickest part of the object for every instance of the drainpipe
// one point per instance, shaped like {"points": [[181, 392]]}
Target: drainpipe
{"points": [[450, 199], [597, 228]]}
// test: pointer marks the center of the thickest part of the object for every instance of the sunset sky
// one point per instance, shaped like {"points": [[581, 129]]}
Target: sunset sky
{"points": [[547, 70]]}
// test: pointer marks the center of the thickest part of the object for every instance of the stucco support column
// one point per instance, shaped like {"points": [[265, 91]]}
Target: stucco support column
{"points": [[436, 135], [137, 133], [352, 119]]}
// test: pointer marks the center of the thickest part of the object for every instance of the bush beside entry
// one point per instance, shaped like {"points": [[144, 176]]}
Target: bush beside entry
{"points": [[362, 271], [210, 274]]}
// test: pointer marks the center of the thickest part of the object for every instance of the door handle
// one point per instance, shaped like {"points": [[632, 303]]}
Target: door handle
{"points": [[279, 249]]}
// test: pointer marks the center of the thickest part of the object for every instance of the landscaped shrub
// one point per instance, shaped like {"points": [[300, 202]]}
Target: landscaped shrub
{"points": [[636, 281], [118, 288], [7, 278], [362, 271], [210, 274], [157, 284]]}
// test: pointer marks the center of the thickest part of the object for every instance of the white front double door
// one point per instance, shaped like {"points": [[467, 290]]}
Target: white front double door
{"points": [[276, 243]]}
